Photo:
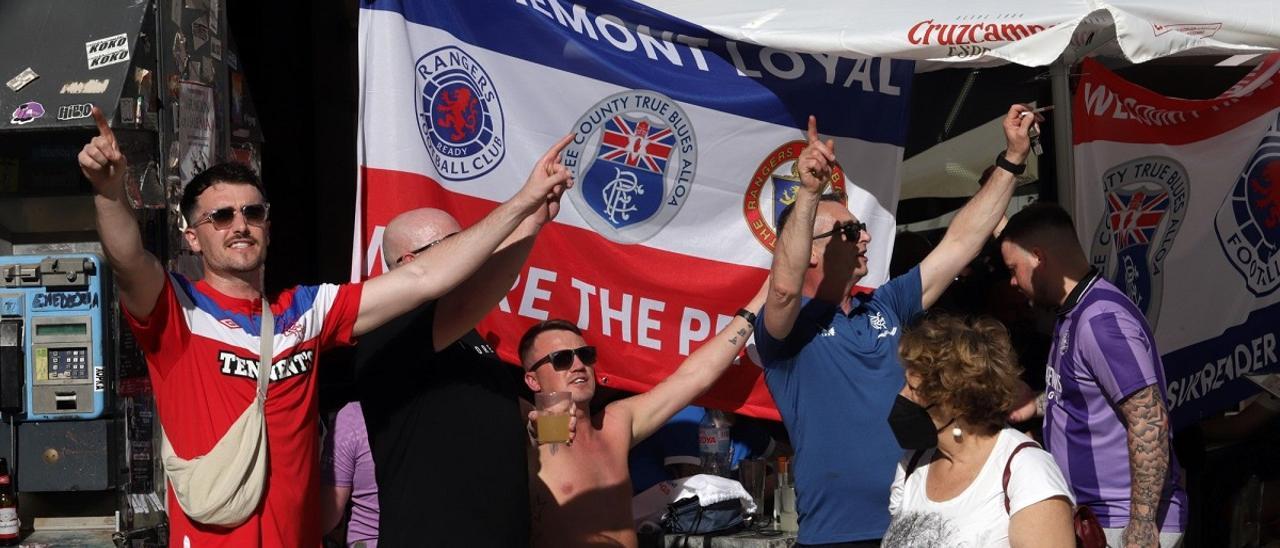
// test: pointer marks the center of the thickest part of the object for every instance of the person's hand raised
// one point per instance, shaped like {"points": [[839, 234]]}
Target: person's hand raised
{"points": [[816, 160], [101, 160], [547, 182]]}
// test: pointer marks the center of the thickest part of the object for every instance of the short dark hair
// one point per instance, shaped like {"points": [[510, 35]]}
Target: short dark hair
{"points": [[526, 340], [833, 196], [226, 172], [1039, 218]]}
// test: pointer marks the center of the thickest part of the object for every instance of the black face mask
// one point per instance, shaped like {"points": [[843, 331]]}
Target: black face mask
{"points": [[912, 426]]}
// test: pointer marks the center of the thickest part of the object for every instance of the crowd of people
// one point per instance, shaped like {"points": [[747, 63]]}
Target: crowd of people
{"points": [[898, 417]]}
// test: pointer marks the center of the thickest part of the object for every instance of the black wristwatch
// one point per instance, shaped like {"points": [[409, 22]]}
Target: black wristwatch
{"points": [[1011, 167], [747, 315]]}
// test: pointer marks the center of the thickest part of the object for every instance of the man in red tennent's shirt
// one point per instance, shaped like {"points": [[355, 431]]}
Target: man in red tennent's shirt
{"points": [[201, 339]]}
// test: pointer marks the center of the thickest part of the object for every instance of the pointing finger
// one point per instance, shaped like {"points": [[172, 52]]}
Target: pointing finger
{"points": [[104, 130], [813, 128], [552, 155]]}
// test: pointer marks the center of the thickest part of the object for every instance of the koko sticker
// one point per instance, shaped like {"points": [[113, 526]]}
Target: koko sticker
{"points": [[107, 51]]}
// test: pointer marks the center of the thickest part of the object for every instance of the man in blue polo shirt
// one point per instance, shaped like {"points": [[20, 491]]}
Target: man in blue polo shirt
{"points": [[831, 359]]}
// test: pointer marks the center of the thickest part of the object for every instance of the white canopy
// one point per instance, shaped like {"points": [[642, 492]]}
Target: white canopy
{"points": [[991, 32]]}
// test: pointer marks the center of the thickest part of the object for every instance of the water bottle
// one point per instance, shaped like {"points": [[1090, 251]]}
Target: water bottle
{"points": [[713, 443]]}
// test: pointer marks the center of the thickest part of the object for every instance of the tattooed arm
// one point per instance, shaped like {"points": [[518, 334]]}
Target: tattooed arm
{"points": [[652, 409], [1148, 425]]}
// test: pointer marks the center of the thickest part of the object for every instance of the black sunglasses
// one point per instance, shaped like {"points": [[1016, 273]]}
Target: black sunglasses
{"points": [[425, 247], [563, 359], [221, 218], [852, 230]]}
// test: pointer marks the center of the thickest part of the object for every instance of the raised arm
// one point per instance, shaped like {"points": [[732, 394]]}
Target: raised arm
{"points": [[441, 268], [794, 251], [978, 218], [652, 409], [461, 309], [1147, 421], [138, 273]]}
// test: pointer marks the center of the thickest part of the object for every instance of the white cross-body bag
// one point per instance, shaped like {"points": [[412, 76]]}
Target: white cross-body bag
{"points": [[223, 487]]}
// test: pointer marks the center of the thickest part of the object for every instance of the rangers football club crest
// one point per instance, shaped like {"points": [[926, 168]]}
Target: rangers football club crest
{"points": [[773, 187], [633, 156], [459, 114], [1248, 223], [1146, 199]]}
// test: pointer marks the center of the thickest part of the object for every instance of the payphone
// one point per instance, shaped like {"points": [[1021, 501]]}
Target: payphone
{"points": [[52, 311]]}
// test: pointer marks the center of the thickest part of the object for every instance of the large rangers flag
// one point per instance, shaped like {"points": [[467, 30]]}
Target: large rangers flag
{"points": [[683, 152], [1178, 203]]}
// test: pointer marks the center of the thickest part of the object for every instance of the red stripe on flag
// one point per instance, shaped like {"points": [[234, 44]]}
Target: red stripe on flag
{"points": [[641, 306], [1107, 107]]}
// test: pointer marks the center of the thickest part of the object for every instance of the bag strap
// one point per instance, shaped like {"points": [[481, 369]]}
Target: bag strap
{"points": [[266, 354], [1008, 470], [913, 464]]}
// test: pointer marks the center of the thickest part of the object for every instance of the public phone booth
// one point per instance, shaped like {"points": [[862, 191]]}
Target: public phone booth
{"points": [[77, 420]]}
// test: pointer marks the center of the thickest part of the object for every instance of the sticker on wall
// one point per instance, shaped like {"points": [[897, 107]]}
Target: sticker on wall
{"points": [[207, 70], [199, 33], [126, 111], [75, 112], [22, 79], [180, 56], [26, 113], [87, 87], [107, 51], [215, 12]]}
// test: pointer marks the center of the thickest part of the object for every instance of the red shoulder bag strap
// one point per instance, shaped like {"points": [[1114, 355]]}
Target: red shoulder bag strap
{"points": [[1004, 485]]}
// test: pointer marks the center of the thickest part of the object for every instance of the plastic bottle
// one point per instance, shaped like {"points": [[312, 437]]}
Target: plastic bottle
{"points": [[713, 443], [785, 516]]}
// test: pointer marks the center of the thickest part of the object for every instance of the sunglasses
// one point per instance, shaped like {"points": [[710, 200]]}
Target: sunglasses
{"points": [[221, 218], [561, 360], [852, 230], [425, 247]]}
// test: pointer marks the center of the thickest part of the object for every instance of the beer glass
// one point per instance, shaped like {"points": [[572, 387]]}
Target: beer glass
{"points": [[554, 409], [751, 472]]}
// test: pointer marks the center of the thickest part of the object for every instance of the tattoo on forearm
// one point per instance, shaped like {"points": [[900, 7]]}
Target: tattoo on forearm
{"points": [[1148, 424], [741, 333]]}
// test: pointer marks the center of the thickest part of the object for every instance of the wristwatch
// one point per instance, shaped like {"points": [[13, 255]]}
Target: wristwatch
{"points": [[1011, 167], [747, 315]]}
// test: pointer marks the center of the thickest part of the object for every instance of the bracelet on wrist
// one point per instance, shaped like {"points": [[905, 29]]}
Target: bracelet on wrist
{"points": [[747, 315], [1005, 164]]}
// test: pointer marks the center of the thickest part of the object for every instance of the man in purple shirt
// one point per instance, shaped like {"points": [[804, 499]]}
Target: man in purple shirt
{"points": [[1105, 420], [347, 472]]}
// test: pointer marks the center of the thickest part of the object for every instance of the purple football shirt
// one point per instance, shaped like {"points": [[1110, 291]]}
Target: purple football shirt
{"points": [[351, 465], [1103, 352]]}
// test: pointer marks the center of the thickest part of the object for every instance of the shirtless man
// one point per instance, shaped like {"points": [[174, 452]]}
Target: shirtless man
{"points": [[580, 493]]}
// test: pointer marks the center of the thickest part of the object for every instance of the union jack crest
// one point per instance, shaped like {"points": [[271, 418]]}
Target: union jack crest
{"points": [[1135, 217], [636, 143], [1144, 202]]}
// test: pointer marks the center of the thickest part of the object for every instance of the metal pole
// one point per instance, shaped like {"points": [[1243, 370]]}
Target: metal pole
{"points": [[1063, 153], [1060, 74]]}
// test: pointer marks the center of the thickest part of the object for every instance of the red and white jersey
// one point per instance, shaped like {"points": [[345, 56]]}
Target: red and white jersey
{"points": [[202, 351]]}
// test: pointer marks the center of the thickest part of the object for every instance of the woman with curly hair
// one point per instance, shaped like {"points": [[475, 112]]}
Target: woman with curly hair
{"points": [[966, 478]]}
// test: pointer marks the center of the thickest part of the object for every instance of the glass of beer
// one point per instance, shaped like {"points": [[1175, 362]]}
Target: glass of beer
{"points": [[554, 409]]}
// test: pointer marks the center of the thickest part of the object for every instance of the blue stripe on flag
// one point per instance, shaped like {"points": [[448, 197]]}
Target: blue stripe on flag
{"points": [[600, 39]]}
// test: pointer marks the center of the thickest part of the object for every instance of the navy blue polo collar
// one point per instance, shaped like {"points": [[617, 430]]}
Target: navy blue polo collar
{"points": [[1077, 292]]}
